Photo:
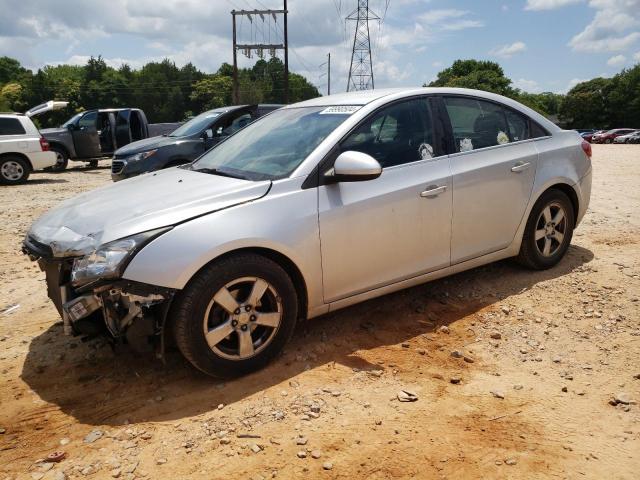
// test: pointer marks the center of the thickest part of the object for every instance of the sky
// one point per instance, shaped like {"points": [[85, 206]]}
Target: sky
{"points": [[543, 45]]}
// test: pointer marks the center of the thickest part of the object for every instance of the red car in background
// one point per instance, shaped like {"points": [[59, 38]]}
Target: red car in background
{"points": [[608, 136], [588, 136]]}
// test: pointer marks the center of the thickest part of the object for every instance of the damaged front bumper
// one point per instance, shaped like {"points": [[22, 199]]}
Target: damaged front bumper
{"points": [[124, 310]]}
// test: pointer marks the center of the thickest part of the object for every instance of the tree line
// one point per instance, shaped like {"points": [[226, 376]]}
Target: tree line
{"points": [[600, 103], [167, 93], [164, 91]]}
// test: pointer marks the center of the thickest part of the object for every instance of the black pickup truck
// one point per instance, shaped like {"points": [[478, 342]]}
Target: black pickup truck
{"points": [[92, 134]]}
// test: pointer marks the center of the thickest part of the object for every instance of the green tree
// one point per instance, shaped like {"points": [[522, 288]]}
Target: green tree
{"points": [[11, 70], [587, 104], [477, 74], [211, 92], [10, 95]]}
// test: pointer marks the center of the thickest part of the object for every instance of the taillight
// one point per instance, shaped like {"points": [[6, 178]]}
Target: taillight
{"points": [[44, 144], [586, 148]]}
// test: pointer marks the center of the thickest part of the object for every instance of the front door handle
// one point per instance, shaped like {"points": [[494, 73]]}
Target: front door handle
{"points": [[520, 167], [433, 191]]}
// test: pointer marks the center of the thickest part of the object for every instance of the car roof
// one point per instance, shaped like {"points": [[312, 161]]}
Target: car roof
{"points": [[110, 109], [364, 97], [228, 108]]}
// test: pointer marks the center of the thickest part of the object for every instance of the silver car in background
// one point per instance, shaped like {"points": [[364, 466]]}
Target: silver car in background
{"points": [[312, 208]]}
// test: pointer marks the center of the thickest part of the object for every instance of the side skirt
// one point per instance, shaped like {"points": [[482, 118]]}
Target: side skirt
{"points": [[445, 272]]}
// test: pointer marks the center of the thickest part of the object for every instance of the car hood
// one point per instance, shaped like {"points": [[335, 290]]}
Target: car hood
{"points": [[155, 200], [146, 144]]}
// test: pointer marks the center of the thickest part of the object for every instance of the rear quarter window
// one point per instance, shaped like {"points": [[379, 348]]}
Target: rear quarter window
{"points": [[537, 131], [11, 126]]}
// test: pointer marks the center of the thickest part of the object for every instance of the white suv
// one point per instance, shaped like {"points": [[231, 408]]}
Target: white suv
{"points": [[22, 149]]}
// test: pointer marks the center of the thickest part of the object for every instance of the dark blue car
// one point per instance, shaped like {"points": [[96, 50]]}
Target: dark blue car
{"points": [[186, 143]]}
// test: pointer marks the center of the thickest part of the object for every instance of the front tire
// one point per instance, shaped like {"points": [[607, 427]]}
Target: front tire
{"points": [[235, 315], [14, 170], [548, 232]]}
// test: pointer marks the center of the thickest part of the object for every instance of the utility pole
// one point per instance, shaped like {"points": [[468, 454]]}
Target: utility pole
{"points": [[259, 48], [361, 70], [328, 74], [286, 56]]}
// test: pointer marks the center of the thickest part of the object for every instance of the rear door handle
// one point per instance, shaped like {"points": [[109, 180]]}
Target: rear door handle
{"points": [[433, 191], [520, 167]]}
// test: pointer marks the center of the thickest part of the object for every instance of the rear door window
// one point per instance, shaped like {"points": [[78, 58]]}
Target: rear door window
{"points": [[11, 126], [518, 126], [476, 123]]}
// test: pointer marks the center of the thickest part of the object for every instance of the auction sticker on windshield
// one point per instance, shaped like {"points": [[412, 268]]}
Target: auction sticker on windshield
{"points": [[343, 109]]}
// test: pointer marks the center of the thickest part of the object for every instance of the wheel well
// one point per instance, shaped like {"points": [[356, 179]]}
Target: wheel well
{"points": [[571, 193], [19, 155], [285, 262], [59, 146]]}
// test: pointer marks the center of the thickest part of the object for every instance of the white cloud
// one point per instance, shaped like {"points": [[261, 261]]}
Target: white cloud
{"points": [[527, 85], [507, 51], [636, 56], [548, 4], [614, 27], [448, 19], [616, 60]]}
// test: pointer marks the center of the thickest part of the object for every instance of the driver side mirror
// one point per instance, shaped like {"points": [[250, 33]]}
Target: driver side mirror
{"points": [[207, 134], [352, 166]]}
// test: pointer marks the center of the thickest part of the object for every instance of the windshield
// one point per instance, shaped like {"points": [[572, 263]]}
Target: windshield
{"points": [[273, 146], [72, 120], [195, 125]]}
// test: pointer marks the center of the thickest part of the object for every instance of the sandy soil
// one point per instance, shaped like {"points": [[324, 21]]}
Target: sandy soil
{"points": [[533, 403]]}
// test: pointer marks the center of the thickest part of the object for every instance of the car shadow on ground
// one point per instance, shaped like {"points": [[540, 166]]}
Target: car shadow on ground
{"points": [[98, 386], [43, 181], [86, 168]]}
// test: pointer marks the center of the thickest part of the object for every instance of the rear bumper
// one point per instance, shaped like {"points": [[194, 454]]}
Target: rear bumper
{"points": [[584, 191], [40, 160]]}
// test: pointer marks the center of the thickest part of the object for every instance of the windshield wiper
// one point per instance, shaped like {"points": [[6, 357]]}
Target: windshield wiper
{"points": [[222, 173]]}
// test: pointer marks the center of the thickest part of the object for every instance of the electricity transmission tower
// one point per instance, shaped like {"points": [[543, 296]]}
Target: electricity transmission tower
{"points": [[361, 70]]}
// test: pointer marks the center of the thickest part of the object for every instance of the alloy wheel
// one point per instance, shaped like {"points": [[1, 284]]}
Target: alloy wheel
{"points": [[242, 318], [12, 170], [551, 228]]}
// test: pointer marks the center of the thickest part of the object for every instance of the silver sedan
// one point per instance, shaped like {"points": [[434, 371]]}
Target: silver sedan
{"points": [[312, 208]]}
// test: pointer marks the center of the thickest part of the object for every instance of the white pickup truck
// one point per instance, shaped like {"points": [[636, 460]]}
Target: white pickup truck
{"points": [[22, 149]]}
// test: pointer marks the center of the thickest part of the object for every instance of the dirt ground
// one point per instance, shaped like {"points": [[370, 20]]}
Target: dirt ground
{"points": [[540, 357]]}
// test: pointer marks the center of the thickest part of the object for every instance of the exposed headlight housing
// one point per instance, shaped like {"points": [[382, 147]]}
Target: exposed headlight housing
{"points": [[141, 156], [108, 261]]}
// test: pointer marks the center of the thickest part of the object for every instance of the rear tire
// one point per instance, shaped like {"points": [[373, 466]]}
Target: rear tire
{"points": [[14, 170], [548, 232], [224, 325], [93, 163], [62, 160]]}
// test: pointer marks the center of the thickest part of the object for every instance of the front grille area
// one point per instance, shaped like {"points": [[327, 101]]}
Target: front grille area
{"points": [[117, 166]]}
